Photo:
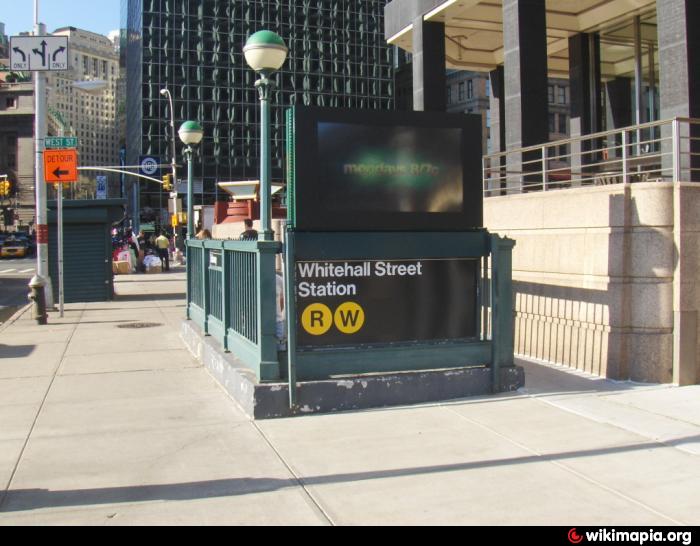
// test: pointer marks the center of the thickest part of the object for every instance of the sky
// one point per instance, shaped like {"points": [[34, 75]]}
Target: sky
{"points": [[100, 16]]}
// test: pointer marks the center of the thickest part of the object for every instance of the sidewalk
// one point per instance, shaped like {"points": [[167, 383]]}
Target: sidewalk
{"points": [[102, 423]]}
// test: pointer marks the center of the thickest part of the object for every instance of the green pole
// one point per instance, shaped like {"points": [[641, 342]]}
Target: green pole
{"points": [[190, 205], [265, 87]]}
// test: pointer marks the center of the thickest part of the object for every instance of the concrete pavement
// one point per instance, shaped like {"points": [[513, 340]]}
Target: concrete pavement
{"points": [[106, 419]]}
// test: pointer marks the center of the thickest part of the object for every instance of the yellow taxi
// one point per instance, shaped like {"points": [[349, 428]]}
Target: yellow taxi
{"points": [[13, 248]]}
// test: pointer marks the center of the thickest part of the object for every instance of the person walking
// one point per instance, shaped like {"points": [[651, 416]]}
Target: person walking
{"points": [[163, 247]]}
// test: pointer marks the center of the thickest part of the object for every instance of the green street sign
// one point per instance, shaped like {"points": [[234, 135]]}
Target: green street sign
{"points": [[60, 142]]}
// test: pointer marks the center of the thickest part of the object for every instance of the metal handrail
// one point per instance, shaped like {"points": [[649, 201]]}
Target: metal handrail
{"points": [[596, 136], [636, 153]]}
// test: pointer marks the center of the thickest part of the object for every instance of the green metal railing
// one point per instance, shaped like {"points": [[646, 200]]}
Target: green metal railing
{"points": [[231, 297], [232, 291]]}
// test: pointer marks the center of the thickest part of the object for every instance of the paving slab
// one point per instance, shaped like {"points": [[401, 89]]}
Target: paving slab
{"points": [[121, 402], [430, 465], [30, 360], [128, 361], [231, 463]]}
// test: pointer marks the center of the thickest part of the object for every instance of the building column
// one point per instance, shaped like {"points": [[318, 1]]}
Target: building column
{"points": [[618, 110], [498, 125], [586, 111], [679, 58], [525, 84], [429, 78]]}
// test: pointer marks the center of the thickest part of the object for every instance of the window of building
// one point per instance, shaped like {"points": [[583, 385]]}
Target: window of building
{"points": [[562, 95], [550, 94], [488, 88], [552, 123], [470, 89], [562, 123], [461, 91], [11, 102], [449, 94]]}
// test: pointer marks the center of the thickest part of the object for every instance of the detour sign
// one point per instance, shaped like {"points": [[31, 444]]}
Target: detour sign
{"points": [[61, 165]]}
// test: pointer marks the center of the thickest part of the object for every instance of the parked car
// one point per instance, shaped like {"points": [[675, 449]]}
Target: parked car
{"points": [[14, 247]]}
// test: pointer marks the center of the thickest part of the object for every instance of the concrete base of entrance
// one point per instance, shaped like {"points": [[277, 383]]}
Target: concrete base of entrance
{"points": [[271, 400]]}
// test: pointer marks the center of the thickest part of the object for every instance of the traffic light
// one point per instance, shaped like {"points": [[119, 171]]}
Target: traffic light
{"points": [[167, 182], [4, 188]]}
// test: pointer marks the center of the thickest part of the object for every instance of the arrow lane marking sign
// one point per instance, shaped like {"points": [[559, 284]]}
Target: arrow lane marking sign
{"points": [[41, 54], [59, 50], [20, 52], [58, 173]]}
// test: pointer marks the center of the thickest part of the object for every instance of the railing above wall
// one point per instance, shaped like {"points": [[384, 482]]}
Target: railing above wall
{"points": [[660, 151]]}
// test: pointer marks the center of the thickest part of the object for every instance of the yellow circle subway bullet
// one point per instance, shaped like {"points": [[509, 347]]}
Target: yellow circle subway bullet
{"points": [[349, 318], [317, 319]]}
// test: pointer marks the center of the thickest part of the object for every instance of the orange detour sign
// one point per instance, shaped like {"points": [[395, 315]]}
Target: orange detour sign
{"points": [[61, 165]]}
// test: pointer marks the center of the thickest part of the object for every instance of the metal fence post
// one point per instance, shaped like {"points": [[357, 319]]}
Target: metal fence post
{"points": [[267, 310], [225, 292], [676, 150], [502, 338], [204, 264], [188, 284], [291, 313], [625, 168], [544, 168]]}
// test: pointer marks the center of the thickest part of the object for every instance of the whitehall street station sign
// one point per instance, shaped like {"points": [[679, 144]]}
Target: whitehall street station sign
{"points": [[353, 303]]}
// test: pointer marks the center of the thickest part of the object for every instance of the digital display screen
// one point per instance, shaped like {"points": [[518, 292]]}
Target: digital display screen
{"points": [[362, 170], [391, 169]]}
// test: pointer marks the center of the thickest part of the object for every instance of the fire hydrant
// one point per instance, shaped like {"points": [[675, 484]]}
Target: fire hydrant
{"points": [[37, 295]]}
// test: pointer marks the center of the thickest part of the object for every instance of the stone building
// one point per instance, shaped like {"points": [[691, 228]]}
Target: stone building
{"points": [[17, 146], [83, 100], [606, 259]]}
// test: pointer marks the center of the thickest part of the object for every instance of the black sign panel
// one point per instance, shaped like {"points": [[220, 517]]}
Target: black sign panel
{"points": [[361, 170], [350, 303]]}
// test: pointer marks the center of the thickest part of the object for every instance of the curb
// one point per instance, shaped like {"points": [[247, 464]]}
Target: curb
{"points": [[14, 318]]}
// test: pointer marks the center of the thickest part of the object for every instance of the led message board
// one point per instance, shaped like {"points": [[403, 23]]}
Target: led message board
{"points": [[385, 171]]}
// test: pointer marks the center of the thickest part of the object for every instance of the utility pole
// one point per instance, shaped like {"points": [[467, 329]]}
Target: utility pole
{"points": [[42, 228]]}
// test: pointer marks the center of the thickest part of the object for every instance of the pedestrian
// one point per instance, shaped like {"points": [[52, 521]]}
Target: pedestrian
{"points": [[163, 247], [249, 234], [203, 235]]}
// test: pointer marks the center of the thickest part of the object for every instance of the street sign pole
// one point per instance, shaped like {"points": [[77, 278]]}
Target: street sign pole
{"points": [[41, 221], [61, 299]]}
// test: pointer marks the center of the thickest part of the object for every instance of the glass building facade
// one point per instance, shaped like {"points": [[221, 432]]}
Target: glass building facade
{"points": [[337, 58]]}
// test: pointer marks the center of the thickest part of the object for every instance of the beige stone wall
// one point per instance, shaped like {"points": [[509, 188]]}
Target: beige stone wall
{"points": [[598, 280]]}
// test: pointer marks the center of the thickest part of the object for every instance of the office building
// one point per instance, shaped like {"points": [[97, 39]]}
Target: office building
{"points": [[605, 263], [338, 57]]}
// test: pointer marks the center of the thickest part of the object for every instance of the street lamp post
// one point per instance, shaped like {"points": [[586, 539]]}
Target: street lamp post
{"points": [[173, 163], [265, 52], [166, 93], [191, 134]]}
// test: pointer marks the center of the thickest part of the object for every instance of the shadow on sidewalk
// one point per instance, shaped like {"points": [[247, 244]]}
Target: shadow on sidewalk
{"points": [[17, 351], [33, 499]]}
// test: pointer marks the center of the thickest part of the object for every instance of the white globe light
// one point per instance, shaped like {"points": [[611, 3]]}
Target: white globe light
{"points": [[265, 50]]}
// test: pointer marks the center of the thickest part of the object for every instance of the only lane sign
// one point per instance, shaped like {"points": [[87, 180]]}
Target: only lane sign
{"points": [[38, 53], [61, 166]]}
